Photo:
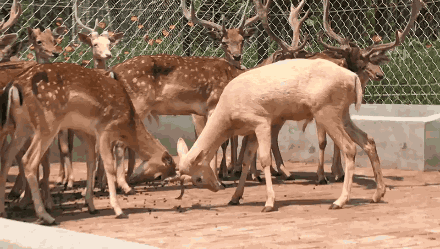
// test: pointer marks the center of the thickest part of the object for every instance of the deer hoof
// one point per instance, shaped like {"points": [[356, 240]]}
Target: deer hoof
{"points": [[323, 182], [268, 209], [290, 178], [258, 178], [233, 203], [93, 211], [44, 222], [131, 192], [334, 206], [122, 216], [340, 179]]}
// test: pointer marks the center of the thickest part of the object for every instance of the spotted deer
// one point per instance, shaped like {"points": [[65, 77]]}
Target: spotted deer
{"points": [[101, 45], [232, 41], [256, 101], [67, 96]]}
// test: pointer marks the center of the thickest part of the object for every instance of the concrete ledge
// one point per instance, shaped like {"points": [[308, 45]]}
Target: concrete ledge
{"points": [[406, 136], [17, 235]]}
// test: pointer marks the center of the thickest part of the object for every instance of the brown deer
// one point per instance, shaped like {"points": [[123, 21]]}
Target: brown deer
{"points": [[67, 96], [232, 41], [255, 103], [101, 45]]}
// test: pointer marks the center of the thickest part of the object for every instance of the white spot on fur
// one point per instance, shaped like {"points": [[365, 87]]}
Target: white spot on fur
{"points": [[135, 80]]}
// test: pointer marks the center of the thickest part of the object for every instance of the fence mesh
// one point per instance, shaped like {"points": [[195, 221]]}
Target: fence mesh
{"points": [[158, 26]]}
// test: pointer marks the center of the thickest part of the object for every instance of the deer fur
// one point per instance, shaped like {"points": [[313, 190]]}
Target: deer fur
{"points": [[68, 96], [257, 100]]}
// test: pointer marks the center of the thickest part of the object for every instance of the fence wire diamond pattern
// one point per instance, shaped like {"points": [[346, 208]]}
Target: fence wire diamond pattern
{"points": [[158, 26]]}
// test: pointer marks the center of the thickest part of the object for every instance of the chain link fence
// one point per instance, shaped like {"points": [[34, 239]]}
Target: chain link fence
{"points": [[158, 26]]}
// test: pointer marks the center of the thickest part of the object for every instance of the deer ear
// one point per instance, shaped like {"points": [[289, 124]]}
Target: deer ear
{"points": [[215, 35], [198, 158], [31, 34], [182, 149], [116, 37], [85, 39], [249, 32], [59, 31]]}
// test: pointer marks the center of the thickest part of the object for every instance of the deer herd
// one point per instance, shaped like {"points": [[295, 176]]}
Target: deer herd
{"points": [[105, 108]]}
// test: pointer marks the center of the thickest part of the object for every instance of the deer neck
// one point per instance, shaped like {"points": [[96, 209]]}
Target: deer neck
{"points": [[41, 60], [363, 76], [212, 137], [99, 63]]}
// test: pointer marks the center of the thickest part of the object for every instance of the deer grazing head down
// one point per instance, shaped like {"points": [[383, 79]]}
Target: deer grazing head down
{"points": [[8, 46], [44, 42], [231, 39], [366, 62], [100, 43]]}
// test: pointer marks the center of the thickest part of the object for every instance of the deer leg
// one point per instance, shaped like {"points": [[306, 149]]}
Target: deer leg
{"points": [[31, 161], [105, 149], [101, 178], [17, 142], [131, 162], [277, 154], [120, 169], [223, 166], [238, 166], [20, 182], [329, 121], [322, 139], [263, 133], [337, 169], [91, 166], [45, 188], [234, 150], [251, 149], [368, 144], [65, 158]]}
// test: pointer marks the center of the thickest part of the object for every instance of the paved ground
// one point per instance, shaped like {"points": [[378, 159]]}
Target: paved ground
{"points": [[408, 216]]}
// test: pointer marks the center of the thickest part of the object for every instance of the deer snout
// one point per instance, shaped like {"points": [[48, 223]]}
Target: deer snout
{"points": [[55, 55], [379, 76], [237, 57], [108, 55]]}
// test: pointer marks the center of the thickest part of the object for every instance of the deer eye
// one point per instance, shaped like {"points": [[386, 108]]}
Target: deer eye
{"points": [[95, 45], [199, 180], [39, 42]]}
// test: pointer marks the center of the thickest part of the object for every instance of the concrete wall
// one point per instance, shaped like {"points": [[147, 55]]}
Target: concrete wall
{"points": [[407, 137]]}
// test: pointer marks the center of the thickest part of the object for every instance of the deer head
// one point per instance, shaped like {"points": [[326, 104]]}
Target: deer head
{"points": [[44, 42], [100, 43], [231, 39], [8, 47], [366, 62]]}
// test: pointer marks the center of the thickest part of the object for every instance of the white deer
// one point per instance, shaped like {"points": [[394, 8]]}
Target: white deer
{"points": [[255, 101]]}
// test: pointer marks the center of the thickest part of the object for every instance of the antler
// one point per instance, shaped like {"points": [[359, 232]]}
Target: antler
{"points": [[327, 27], [249, 21], [416, 6], [191, 16], [263, 10], [13, 17], [296, 24], [78, 21]]}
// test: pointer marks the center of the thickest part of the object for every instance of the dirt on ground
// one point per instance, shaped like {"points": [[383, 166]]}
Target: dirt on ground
{"points": [[408, 216]]}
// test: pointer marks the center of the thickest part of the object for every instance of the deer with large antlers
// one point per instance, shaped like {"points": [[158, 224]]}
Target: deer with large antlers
{"points": [[100, 45], [232, 41], [345, 60], [67, 96], [8, 47], [257, 101]]}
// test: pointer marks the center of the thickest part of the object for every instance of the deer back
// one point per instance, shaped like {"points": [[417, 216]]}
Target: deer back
{"points": [[172, 84]]}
